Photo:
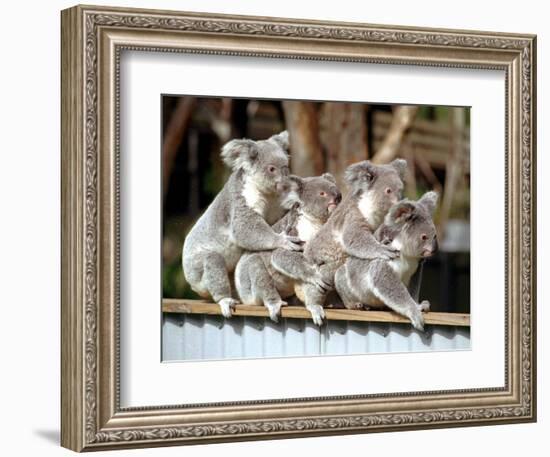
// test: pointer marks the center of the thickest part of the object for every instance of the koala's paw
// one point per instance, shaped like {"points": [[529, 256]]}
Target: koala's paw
{"points": [[322, 282], [356, 305], [317, 314], [227, 306], [390, 253], [424, 306], [417, 320], [292, 243], [275, 309]]}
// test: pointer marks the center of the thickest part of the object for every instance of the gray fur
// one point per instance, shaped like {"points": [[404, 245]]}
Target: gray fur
{"points": [[256, 280], [257, 193], [377, 283], [416, 281], [349, 231]]}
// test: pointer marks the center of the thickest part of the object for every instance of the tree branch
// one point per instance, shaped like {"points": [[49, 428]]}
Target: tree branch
{"points": [[403, 117]]}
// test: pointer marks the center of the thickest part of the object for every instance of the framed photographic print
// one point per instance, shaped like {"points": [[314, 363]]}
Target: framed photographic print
{"points": [[281, 228]]}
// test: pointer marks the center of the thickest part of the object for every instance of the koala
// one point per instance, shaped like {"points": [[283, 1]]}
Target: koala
{"points": [[349, 231], [256, 195], [409, 228], [256, 280]]}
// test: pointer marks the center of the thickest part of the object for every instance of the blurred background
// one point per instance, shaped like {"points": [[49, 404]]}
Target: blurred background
{"points": [[325, 136]]}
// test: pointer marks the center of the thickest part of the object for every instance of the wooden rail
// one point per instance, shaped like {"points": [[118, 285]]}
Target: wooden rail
{"points": [[433, 139], [184, 306]]}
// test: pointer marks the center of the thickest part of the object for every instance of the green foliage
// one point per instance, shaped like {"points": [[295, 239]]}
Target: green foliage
{"points": [[424, 112], [212, 182], [441, 113], [215, 176], [174, 284]]}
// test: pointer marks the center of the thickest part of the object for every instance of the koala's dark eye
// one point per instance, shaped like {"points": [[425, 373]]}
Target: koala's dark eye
{"points": [[271, 169], [323, 194], [388, 191], [424, 237]]}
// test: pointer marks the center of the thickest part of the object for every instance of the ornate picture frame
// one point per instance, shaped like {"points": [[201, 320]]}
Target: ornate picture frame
{"points": [[93, 39]]}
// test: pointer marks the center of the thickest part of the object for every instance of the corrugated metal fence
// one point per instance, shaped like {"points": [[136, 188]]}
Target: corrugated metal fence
{"points": [[211, 337]]}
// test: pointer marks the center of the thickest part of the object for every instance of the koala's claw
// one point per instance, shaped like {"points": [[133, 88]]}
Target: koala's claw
{"points": [[322, 287], [356, 305], [227, 306], [317, 314], [293, 243], [275, 310], [391, 253], [424, 306], [322, 283], [418, 321]]}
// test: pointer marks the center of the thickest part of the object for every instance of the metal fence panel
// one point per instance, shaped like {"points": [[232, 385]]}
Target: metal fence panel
{"points": [[205, 337]]}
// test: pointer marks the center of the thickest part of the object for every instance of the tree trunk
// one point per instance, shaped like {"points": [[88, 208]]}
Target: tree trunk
{"points": [[303, 126], [426, 169], [410, 175], [344, 135], [403, 117], [173, 136]]}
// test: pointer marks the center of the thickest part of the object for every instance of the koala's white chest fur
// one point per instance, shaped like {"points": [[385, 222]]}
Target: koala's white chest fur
{"points": [[265, 205], [369, 210], [404, 267], [254, 198], [307, 227]]}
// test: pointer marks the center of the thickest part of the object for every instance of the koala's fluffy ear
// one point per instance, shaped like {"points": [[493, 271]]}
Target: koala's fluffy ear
{"points": [[360, 172], [400, 166], [292, 191], [281, 139], [239, 153], [429, 201], [329, 177], [402, 211], [297, 184]]}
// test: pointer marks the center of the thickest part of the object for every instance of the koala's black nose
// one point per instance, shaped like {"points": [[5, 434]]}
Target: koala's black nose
{"points": [[338, 198], [283, 186]]}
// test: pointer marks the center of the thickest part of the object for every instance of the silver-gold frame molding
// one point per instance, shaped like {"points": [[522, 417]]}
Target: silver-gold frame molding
{"points": [[92, 41]]}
